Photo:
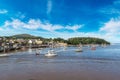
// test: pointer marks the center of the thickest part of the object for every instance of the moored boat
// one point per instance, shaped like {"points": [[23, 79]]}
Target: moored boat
{"points": [[37, 52], [79, 49], [93, 47], [4, 55], [51, 53]]}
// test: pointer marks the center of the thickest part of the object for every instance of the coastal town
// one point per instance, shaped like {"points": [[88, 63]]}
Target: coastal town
{"points": [[15, 44], [25, 41], [7, 45]]}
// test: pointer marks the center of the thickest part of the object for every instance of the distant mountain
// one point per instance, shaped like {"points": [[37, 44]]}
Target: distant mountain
{"points": [[22, 35], [26, 36]]}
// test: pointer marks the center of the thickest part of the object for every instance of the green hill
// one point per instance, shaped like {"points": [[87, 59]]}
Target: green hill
{"points": [[86, 40], [25, 36], [71, 41]]}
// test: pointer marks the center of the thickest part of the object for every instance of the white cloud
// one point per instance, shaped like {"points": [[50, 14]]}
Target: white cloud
{"points": [[50, 27], [32, 24], [111, 30], [74, 28], [16, 23], [112, 26], [3, 11], [38, 24], [49, 6]]}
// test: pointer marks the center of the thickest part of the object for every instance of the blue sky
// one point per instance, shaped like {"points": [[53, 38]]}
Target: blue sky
{"points": [[61, 18]]}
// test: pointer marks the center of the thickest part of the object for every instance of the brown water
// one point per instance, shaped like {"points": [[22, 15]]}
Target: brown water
{"points": [[101, 64]]}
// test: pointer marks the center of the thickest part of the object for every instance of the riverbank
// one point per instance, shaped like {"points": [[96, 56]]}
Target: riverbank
{"points": [[21, 48]]}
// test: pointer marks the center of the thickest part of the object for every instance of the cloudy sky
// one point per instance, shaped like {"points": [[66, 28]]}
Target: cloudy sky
{"points": [[61, 18]]}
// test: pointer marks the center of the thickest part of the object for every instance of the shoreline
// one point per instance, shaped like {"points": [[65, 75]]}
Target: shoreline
{"points": [[23, 48]]}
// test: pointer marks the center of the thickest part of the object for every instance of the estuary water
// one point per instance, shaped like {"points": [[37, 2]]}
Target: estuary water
{"points": [[99, 64]]}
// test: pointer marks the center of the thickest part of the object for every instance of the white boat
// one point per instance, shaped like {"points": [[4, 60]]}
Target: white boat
{"points": [[79, 49], [64, 48], [4, 55], [51, 53], [103, 45], [37, 52]]}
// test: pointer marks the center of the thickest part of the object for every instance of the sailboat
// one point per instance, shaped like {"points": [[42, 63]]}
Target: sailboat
{"points": [[79, 49], [103, 45], [93, 47], [37, 52], [64, 48]]}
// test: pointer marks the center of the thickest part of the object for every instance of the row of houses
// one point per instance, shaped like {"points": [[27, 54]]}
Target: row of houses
{"points": [[12, 44]]}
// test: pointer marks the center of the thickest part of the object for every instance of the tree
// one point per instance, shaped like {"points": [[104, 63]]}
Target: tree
{"points": [[86, 40]]}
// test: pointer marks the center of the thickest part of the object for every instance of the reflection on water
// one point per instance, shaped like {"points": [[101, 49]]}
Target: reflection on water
{"points": [[30, 50], [100, 61], [110, 53]]}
